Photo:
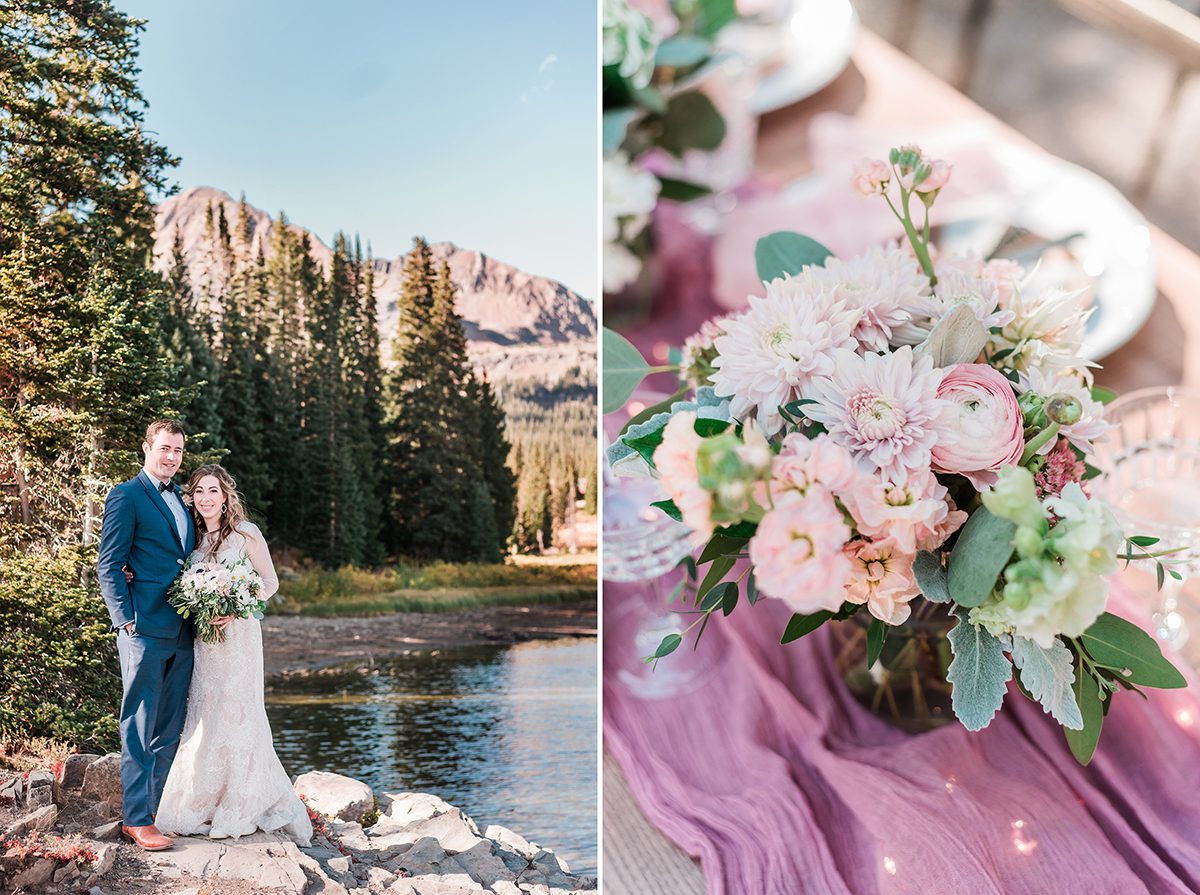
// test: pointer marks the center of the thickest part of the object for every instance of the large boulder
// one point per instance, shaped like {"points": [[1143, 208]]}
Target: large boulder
{"points": [[414, 816], [335, 795], [406, 807], [102, 779]]}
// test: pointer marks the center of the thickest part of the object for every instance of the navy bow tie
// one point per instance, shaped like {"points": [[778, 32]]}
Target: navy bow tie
{"points": [[164, 486]]}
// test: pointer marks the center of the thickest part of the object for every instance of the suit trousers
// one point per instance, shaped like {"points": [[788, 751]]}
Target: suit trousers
{"points": [[155, 675]]}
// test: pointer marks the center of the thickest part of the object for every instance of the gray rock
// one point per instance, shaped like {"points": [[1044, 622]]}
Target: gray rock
{"points": [[445, 884], [586, 883], [548, 859], [39, 797], [379, 879], [482, 865], [106, 854], [41, 819], [339, 864], [426, 856], [454, 831], [95, 890], [550, 877], [510, 840], [516, 863], [335, 795], [350, 835], [408, 807], [12, 792], [269, 860], [504, 887], [74, 767], [102, 779], [34, 875], [38, 779], [66, 872], [108, 832]]}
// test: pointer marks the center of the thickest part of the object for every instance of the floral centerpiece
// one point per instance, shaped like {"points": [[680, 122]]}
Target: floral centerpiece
{"points": [[895, 438], [653, 99], [209, 589]]}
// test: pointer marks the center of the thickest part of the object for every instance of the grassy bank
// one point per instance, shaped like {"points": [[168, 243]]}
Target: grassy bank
{"points": [[435, 587]]}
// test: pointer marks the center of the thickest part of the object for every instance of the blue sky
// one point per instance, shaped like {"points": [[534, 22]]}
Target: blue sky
{"points": [[474, 122]]}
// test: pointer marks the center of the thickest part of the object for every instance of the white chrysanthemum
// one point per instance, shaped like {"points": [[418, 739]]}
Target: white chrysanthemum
{"points": [[1091, 425], [961, 280], [884, 409], [630, 41], [770, 353], [621, 267], [886, 284], [1044, 333]]}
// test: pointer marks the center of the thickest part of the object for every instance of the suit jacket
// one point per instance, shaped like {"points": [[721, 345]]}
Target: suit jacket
{"points": [[139, 531]]}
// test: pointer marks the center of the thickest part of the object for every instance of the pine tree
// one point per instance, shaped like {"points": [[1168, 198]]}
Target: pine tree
{"points": [[80, 367], [494, 449], [187, 341]]}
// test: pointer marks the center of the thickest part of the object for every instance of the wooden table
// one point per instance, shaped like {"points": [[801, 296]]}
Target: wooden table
{"points": [[884, 87]]}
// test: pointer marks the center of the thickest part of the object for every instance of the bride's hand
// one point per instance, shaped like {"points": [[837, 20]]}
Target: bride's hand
{"points": [[222, 620]]}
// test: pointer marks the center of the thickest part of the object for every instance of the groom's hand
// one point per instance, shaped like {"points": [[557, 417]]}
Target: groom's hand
{"points": [[128, 629], [128, 574]]}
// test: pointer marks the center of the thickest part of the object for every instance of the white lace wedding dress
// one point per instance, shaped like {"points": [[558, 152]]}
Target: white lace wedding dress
{"points": [[226, 780]]}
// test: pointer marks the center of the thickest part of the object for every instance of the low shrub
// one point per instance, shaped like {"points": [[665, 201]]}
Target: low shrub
{"points": [[59, 675]]}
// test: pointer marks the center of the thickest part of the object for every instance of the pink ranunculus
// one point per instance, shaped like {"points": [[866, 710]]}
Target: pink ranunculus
{"points": [[870, 177], [797, 552], [987, 422]]}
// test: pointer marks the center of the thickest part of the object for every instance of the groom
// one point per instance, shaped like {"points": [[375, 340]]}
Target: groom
{"points": [[148, 530]]}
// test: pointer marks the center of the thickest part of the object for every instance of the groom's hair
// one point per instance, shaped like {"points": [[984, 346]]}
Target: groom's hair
{"points": [[163, 426]]}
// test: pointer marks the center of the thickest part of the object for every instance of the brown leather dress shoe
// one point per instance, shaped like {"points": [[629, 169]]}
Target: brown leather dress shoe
{"points": [[147, 837]]}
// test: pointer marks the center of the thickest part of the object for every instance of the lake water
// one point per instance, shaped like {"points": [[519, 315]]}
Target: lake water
{"points": [[507, 734]]}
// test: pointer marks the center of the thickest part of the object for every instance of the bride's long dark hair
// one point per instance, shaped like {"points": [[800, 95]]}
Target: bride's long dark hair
{"points": [[233, 512]]}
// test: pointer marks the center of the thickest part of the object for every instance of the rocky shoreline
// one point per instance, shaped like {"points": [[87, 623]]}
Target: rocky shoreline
{"points": [[61, 835], [294, 643]]}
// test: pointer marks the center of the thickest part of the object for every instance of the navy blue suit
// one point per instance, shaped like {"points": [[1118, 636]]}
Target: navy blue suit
{"points": [[140, 532]]}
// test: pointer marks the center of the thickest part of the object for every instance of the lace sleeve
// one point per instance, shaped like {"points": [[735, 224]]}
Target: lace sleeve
{"points": [[260, 558]]}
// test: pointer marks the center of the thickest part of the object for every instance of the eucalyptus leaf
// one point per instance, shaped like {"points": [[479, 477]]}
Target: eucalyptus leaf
{"points": [[682, 51], [729, 598], [681, 190], [1087, 695], [614, 125], [751, 589], [668, 507], [715, 15], [984, 548], [720, 545], [624, 370], [691, 122], [787, 253], [669, 644], [663, 406], [799, 625], [718, 570], [931, 577], [979, 673], [1048, 674], [717, 596], [876, 635], [1129, 651]]}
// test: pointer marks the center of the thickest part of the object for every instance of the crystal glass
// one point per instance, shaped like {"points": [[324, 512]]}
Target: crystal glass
{"points": [[641, 542], [1151, 466]]}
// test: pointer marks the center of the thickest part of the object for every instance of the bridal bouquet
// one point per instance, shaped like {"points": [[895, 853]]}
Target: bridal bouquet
{"points": [[895, 437], [210, 589]]}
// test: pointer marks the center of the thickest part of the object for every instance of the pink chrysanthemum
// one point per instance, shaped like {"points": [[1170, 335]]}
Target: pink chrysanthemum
{"points": [[881, 577], [797, 552], [884, 409], [770, 353], [985, 287], [885, 284]]}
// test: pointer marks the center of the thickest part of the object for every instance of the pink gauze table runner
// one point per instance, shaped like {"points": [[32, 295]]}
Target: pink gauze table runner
{"points": [[756, 759]]}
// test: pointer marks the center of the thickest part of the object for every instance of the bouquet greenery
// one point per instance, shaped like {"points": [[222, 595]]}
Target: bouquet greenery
{"points": [[212, 589]]}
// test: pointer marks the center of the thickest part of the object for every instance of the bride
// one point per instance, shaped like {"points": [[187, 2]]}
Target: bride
{"points": [[226, 780]]}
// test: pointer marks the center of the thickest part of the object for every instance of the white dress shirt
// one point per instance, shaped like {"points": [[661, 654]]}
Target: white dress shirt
{"points": [[174, 504]]}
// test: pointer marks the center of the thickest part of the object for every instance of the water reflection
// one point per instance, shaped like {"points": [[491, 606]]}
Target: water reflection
{"points": [[506, 733]]}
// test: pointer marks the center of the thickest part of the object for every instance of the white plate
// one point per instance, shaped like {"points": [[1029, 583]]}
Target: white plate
{"points": [[801, 54], [1057, 199]]}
